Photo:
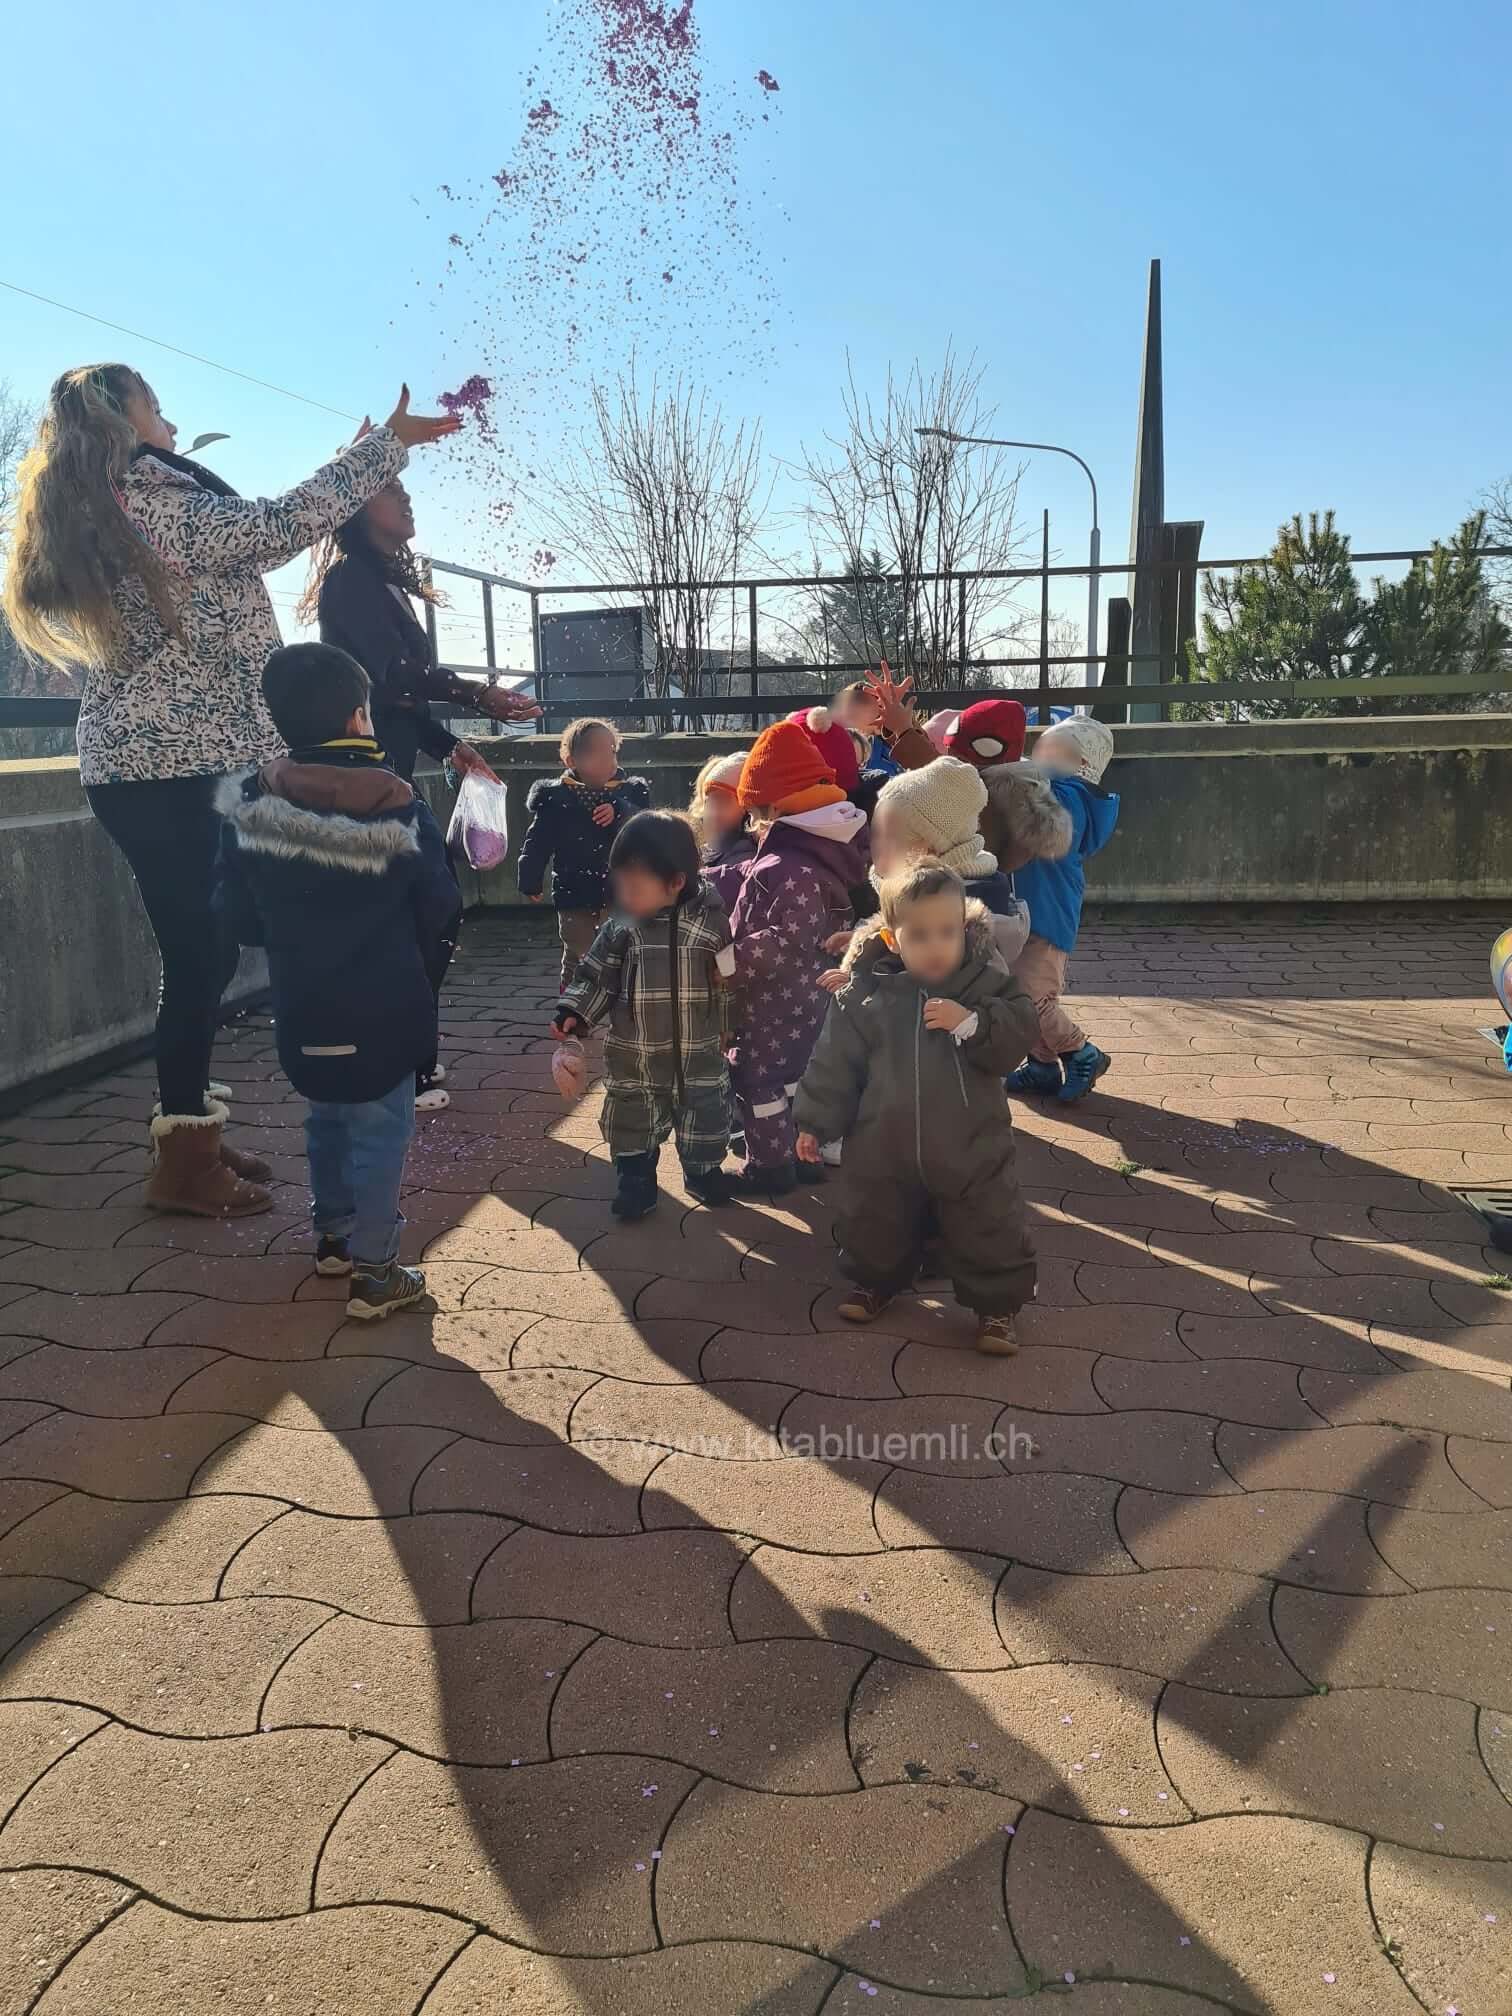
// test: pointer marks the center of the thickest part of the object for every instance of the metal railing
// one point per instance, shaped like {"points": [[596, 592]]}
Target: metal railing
{"points": [[760, 687]]}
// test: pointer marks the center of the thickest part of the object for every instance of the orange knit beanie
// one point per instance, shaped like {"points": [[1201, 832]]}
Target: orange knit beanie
{"points": [[785, 767]]}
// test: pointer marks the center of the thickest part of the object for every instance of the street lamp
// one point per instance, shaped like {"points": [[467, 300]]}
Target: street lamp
{"points": [[1095, 543]]}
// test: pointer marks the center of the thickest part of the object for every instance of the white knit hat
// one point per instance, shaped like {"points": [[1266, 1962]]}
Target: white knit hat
{"points": [[935, 811], [1092, 740], [725, 776]]}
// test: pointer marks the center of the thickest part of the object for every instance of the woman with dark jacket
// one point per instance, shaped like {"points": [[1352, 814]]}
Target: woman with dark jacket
{"points": [[146, 570], [360, 590]]}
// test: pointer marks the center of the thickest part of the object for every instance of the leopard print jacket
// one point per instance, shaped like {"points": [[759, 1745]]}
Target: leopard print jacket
{"points": [[192, 705]]}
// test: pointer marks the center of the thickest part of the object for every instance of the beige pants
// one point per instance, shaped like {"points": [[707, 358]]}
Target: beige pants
{"points": [[1041, 971], [577, 930]]}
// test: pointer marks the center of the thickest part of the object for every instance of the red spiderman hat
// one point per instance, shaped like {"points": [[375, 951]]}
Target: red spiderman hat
{"points": [[990, 731]]}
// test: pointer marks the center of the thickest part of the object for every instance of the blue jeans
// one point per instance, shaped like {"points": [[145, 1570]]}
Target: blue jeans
{"points": [[356, 1156]]}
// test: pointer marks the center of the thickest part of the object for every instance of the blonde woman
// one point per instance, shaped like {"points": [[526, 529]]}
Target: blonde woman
{"points": [[146, 570]]}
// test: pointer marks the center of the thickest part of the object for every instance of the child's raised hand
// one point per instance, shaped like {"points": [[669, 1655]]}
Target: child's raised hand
{"points": [[942, 1014], [808, 1148], [834, 979], [603, 815]]}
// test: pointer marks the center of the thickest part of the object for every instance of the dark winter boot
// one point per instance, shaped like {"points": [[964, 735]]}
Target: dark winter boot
{"points": [[768, 1179], [711, 1187], [636, 1197]]}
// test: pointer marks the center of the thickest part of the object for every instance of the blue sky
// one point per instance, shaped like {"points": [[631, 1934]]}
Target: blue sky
{"points": [[1326, 183]]}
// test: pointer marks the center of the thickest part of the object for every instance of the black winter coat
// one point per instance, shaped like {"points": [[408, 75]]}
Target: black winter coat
{"points": [[331, 862], [562, 832], [361, 615]]}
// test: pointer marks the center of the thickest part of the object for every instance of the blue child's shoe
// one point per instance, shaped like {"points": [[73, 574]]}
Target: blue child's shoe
{"points": [[1042, 1080], [1083, 1069]]}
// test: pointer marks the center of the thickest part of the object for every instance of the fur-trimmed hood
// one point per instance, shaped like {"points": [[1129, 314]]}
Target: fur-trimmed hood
{"points": [[1023, 820], [868, 944], [374, 827]]}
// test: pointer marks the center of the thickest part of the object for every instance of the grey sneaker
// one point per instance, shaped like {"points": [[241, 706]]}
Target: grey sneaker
{"points": [[332, 1256], [378, 1292]]}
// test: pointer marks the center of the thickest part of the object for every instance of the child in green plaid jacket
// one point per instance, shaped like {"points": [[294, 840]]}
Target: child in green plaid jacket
{"points": [[659, 973]]}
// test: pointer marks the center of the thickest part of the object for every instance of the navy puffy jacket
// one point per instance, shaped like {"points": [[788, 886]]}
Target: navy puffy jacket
{"points": [[562, 832]]}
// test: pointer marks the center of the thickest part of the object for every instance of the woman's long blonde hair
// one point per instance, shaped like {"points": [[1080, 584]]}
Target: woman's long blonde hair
{"points": [[73, 542]]}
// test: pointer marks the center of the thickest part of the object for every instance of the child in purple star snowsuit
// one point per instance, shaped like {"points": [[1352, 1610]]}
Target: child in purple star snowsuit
{"points": [[794, 897]]}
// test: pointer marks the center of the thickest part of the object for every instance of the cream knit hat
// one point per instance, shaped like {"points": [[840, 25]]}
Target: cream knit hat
{"points": [[1091, 740], [935, 812]]}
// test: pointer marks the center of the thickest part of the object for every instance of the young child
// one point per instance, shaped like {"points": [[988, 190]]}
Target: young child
{"points": [[572, 825], [795, 896], [910, 1070], [728, 844], [331, 862], [1075, 753], [658, 973], [935, 814]]}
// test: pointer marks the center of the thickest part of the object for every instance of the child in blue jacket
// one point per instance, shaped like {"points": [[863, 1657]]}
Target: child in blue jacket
{"points": [[1076, 752]]}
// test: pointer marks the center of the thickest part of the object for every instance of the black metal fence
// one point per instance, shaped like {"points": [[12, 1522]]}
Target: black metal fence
{"points": [[748, 685]]}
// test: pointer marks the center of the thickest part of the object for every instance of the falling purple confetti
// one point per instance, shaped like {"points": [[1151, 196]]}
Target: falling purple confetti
{"points": [[767, 81]]}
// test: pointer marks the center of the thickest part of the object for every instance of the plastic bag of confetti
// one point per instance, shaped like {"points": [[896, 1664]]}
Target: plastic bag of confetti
{"points": [[569, 1068], [479, 829]]}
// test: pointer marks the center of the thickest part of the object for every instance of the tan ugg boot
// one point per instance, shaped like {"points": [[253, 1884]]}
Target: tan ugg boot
{"points": [[238, 1160], [190, 1176]]}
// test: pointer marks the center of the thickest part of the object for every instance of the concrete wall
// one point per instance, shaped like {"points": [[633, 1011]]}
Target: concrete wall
{"points": [[1394, 809], [78, 970], [1311, 811]]}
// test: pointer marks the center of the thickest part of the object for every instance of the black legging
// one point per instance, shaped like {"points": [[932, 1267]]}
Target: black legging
{"points": [[169, 831]]}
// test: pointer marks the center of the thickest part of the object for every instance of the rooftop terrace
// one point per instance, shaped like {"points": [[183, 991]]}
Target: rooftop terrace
{"points": [[520, 1656]]}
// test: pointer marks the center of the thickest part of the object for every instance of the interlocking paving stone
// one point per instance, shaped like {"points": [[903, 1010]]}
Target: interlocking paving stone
{"points": [[414, 1570], [171, 1816], [1209, 1627], [1437, 1550], [154, 1458], [724, 1975], [1391, 1465], [650, 1588], [1078, 1739], [371, 1958], [118, 1383], [938, 1435], [924, 1862], [473, 1693], [329, 1393], [1056, 1379], [1298, 1536], [178, 1669], [166, 1551], [824, 1504], [1253, 1390], [768, 1715], [356, 1472], [44, 1915], [1444, 1641], [34, 1735], [928, 1605], [734, 1419], [1451, 1920], [1424, 1398], [1289, 1291], [1269, 1907], [1054, 1521], [1426, 1785], [544, 1854], [95, 1322]]}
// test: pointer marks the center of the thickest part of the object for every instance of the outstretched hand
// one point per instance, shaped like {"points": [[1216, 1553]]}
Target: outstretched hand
{"points": [[417, 430], [893, 698], [500, 704]]}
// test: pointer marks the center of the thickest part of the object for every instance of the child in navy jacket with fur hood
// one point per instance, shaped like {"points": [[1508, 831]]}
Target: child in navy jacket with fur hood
{"points": [[333, 864], [573, 822]]}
